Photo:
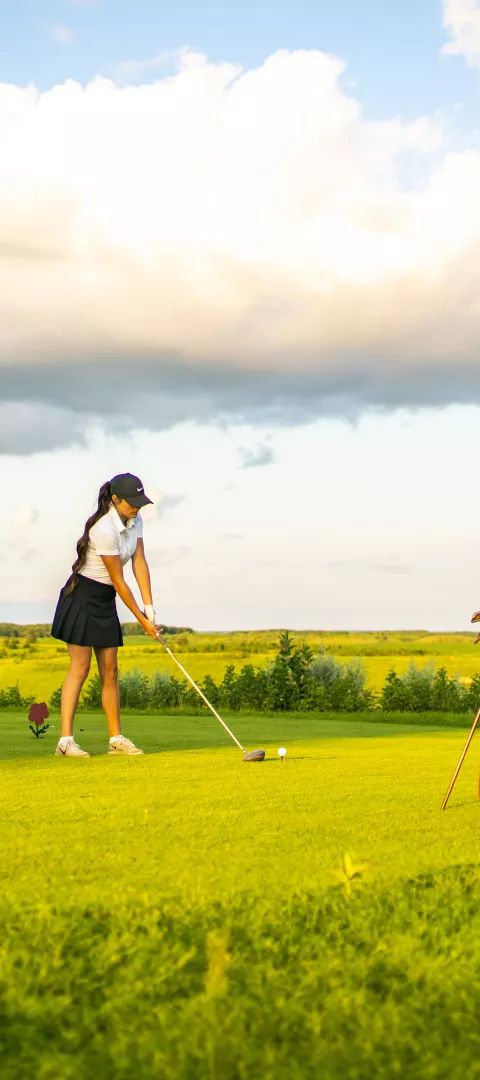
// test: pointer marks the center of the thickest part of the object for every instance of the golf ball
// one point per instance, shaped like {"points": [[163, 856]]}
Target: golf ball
{"points": [[281, 751]]}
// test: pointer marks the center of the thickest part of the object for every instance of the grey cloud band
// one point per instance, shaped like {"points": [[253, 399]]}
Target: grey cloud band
{"points": [[48, 405]]}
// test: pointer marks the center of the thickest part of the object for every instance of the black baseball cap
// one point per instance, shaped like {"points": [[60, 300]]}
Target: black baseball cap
{"points": [[129, 487]]}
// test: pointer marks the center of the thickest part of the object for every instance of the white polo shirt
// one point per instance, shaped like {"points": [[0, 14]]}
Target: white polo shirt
{"points": [[109, 536]]}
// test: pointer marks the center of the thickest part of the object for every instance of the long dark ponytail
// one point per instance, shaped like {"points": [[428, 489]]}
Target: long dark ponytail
{"points": [[104, 501]]}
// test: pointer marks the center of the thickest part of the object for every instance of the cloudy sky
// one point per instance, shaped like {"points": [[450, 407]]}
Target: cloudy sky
{"points": [[240, 257]]}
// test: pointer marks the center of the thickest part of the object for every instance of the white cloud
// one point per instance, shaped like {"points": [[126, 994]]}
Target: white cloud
{"points": [[224, 240], [164, 503], [22, 521], [461, 19], [132, 70], [62, 33], [167, 556], [261, 455]]}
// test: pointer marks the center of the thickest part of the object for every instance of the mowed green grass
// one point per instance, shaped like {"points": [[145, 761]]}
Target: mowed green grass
{"points": [[179, 914]]}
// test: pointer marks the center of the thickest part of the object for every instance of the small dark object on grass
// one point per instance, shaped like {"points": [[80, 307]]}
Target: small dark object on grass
{"points": [[37, 715]]}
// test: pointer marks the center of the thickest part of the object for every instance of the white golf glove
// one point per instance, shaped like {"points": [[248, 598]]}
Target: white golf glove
{"points": [[150, 612]]}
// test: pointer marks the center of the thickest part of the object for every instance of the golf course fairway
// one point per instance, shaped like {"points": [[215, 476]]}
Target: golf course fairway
{"points": [[185, 914]]}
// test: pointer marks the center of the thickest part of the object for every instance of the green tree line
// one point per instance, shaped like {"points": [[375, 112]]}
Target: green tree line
{"points": [[295, 680]]}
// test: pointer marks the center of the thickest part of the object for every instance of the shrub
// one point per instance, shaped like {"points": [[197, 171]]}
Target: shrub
{"points": [[294, 679], [252, 687], [425, 689], [210, 689], [11, 696], [471, 694], [394, 695], [288, 675], [419, 685], [165, 691], [228, 690], [134, 689], [448, 694], [55, 699], [92, 693], [338, 687]]}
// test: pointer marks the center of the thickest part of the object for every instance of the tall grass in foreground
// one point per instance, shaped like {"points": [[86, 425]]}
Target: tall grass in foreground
{"points": [[311, 986]]}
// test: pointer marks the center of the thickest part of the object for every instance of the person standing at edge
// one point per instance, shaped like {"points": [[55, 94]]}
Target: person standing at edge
{"points": [[86, 615]]}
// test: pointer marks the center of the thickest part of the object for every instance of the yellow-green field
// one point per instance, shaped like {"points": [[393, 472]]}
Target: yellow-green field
{"points": [[41, 668], [187, 915]]}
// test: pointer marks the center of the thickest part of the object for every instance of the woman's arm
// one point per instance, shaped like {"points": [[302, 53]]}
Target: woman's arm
{"points": [[115, 569], [142, 572]]}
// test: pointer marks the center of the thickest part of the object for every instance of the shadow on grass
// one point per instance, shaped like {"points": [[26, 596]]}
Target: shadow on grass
{"points": [[174, 732], [451, 805]]}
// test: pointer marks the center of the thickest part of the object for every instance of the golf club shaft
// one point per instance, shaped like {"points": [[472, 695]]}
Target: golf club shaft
{"points": [[461, 759], [202, 695]]}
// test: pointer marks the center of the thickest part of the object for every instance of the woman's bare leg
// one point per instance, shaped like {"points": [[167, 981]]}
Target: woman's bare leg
{"points": [[108, 671], [80, 656]]}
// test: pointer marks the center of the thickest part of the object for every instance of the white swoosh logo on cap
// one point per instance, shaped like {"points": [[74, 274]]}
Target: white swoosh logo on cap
{"points": [[139, 489]]}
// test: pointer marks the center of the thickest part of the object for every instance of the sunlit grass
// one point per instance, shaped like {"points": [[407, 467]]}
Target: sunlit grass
{"points": [[187, 914]]}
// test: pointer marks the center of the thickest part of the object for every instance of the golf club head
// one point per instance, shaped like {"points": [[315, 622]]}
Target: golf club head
{"points": [[254, 755]]}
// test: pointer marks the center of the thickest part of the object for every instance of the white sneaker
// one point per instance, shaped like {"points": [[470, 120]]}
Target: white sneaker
{"points": [[122, 745], [71, 749]]}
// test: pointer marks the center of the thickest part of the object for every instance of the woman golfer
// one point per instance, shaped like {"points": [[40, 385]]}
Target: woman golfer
{"points": [[86, 615]]}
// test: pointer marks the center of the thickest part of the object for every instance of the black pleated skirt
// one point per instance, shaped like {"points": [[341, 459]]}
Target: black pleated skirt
{"points": [[88, 615]]}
